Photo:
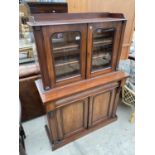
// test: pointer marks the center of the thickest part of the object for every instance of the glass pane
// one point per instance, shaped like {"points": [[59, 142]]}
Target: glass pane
{"points": [[102, 48], [66, 54]]}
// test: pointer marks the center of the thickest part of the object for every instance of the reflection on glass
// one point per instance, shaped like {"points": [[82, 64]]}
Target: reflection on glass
{"points": [[27, 51], [102, 48], [66, 54]]}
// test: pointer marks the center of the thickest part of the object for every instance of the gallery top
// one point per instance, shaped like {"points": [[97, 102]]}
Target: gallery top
{"points": [[48, 19]]}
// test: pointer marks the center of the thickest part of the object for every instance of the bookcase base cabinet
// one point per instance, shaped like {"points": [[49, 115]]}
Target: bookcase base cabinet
{"points": [[79, 114]]}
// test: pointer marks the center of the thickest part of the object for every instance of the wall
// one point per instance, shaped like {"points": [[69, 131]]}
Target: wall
{"points": [[121, 6]]}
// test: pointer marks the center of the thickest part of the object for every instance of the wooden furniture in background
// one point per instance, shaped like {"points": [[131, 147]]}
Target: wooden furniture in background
{"points": [[26, 54], [127, 7], [31, 105], [47, 7], [78, 54], [29, 72]]}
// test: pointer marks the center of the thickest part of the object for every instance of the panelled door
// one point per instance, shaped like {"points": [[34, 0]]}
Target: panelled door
{"points": [[66, 53], [102, 47], [80, 114], [101, 107], [69, 119]]}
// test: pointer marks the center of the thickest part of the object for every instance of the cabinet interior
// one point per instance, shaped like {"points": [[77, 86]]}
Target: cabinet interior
{"points": [[102, 48], [66, 53]]}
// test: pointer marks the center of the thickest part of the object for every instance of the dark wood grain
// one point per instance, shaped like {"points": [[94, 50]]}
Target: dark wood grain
{"points": [[60, 123], [42, 57], [45, 25], [31, 105], [48, 32], [121, 41], [78, 104], [53, 126], [73, 18], [83, 94], [80, 134], [78, 114], [76, 87], [100, 107], [112, 101], [122, 83], [68, 120], [115, 49], [47, 7]]}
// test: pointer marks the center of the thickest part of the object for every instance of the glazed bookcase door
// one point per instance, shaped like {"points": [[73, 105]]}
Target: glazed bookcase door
{"points": [[66, 47], [102, 47]]}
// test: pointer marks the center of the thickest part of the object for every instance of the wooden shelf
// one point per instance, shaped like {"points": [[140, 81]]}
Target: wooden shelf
{"points": [[74, 60], [67, 53], [75, 47], [67, 46], [102, 42], [102, 36], [62, 63]]}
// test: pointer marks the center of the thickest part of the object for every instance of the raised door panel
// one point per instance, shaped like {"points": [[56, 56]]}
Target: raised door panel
{"points": [[101, 106], [102, 47], [73, 117], [69, 120], [66, 51]]}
